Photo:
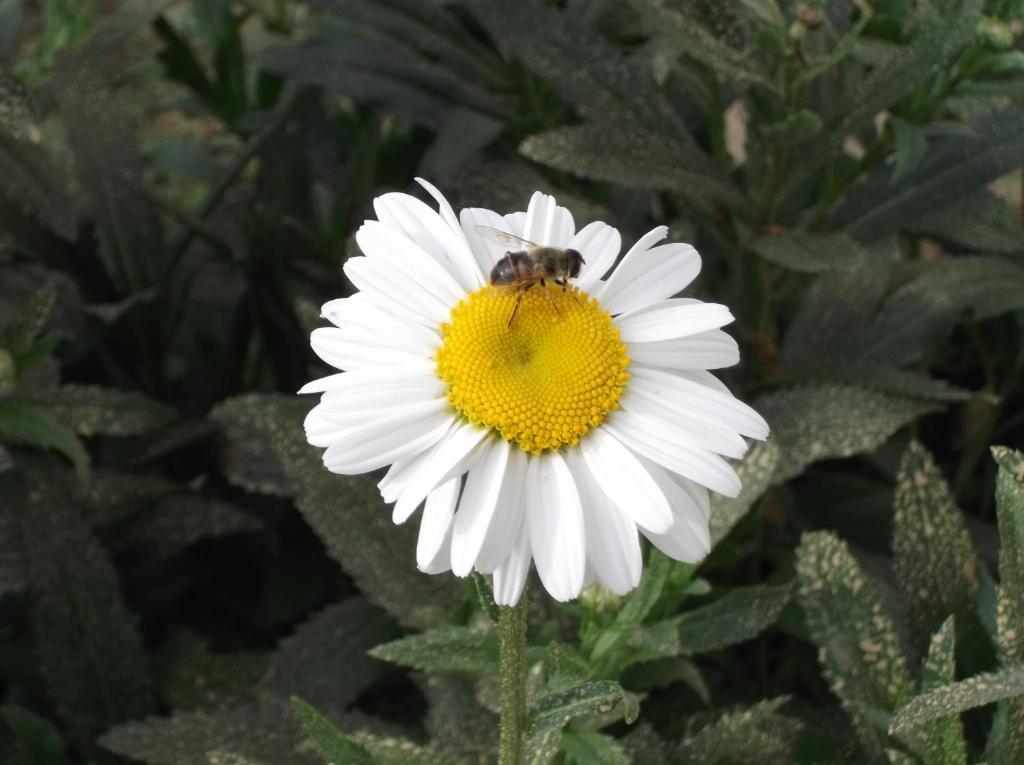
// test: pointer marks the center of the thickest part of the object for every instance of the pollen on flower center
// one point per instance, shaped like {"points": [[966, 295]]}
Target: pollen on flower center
{"points": [[542, 382]]}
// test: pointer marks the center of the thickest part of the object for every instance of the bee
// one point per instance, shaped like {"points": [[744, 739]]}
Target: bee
{"points": [[531, 265]]}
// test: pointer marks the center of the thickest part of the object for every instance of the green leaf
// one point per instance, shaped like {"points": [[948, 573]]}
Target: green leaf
{"points": [[391, 750], [980, 222], [810, 253], [190, 675], [738, 616], [944, 738], [798, 127], [37, 737], [1010, 593], [345, 512], [34, 187], [858, 646], [910, 146], [444, 649], [954, 169], [88, 646], [34, 426], [958, 697], [326, 659], [935, 566], [179, 521], [756, 471], [91, 410], [458, 723], [682, 27], [755, 734], [111, 169], [633, 157], [335, 746], [937, 38], [553, 711], [817, 422], [265, 732], [587, 747]]}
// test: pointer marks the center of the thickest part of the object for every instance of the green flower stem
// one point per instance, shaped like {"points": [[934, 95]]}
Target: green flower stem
{"points": [[512, 626]]}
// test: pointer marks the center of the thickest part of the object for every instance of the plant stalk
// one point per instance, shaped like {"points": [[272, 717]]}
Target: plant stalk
{"points": [[512, 628]]}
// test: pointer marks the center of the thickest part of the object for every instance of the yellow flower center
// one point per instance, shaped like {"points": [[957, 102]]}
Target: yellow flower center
{"points": [[542, 382]]}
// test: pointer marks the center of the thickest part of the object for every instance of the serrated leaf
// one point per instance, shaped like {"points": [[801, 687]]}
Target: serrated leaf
{"points": [[89, 649], [633, 157], [738, 616], [980, 222], [938, 37], [798, 127], [858, 647], [553, 711], [759, 733], [91, 410], [910, 146], [958, 697], [458, 724], [31, 184], [944, 739], [686, 32], [391, 750], [811, 253], [326, 661], [935, 566], [816, 422], [190, 675], [335, 746], [644, 746], [756, 472], [587, 747], [110, 168], [1010, 593], [33, 425], [954, 169], [264, 732], [444, 649], [346, 513], [181, 520]]}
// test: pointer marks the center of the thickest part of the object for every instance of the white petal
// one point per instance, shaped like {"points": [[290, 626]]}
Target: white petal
{"points": [[547, 223], [396, 291], [442, 561], [353, 348], [599, 245], [555, 519], [673, 426], [713, 349], [510, 576], [445, 461], [688, 538], [479, 502], [376, 388], [676, 317], [508, 515], [699, 465], [485, 250], [398, 475], [697, 400], [514, 223], [649, 276], [613, 544], [463, 261], [621, 476], [362, 310], [386, 246], [436, 522], [368, 447]]}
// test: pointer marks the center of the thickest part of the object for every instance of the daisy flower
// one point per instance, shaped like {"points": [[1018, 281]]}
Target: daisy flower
{"points": [[562, 438]]}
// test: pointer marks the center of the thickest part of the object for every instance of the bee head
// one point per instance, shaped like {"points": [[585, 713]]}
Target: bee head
{"points": [[575, 261]]}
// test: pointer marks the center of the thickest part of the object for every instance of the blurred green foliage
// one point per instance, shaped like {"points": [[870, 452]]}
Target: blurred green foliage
{"points": [[180, 580]]}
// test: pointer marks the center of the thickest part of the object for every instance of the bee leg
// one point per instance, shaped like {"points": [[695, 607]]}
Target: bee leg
{"points": [[515, 308], [565, 286], [548, 296]]}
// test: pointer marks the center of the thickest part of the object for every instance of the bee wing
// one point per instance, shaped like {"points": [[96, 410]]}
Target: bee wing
{"points": [[503, 237]]}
